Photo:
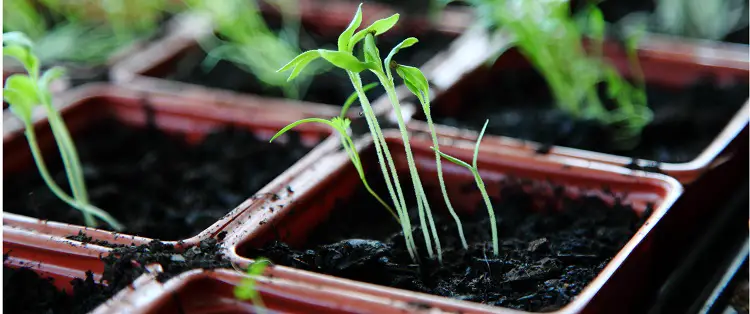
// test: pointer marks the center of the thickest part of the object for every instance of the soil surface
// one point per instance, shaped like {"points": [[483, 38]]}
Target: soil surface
{"points": [[518, 104], [332, 87], [551, 247], [31, 293], [157, 185]]}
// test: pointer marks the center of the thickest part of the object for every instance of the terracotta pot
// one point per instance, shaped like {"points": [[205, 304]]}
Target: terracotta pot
{"points": [[201, 291], [664, 62], [327, 18], [318, 191], [172, 114]]}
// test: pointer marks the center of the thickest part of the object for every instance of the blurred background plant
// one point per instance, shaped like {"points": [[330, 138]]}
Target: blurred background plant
{"points": [[702, 19], [85, 31], [242, 36]]}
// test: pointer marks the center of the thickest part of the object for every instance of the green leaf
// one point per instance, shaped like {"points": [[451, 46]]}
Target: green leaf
{"points": [[299, 63], [17, 39], [378, 27], [247, 288], [49, 76], [414, 77], [344, 60], [372, 54], [479, 140], [302, 121], [596, 23], [453, 159], [20, 93], [23, 54], [404, 44], [346, 36], [353, 97]]}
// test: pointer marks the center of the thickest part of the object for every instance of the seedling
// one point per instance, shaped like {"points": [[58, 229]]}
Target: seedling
{"points": [[341, 125], [480, 184], [693, 18], [24, 92], [248, 41], [344, 59], [247, 290], [552, 40], [417, 83]]}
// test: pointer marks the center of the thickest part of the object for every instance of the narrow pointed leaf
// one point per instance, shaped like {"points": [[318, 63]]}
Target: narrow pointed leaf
{"points": [[25, 57], [372, 54], [479, 140], [344, 60], [403, 44], [302, 121], [378, 27], [346, 36], [299, 63], [453, 159], [50, 76]]}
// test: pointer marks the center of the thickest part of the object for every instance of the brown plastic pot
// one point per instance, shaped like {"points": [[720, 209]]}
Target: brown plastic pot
{"points": [[212, 291], [664, 62], [626, 277], [172, 114], [147, 69]]}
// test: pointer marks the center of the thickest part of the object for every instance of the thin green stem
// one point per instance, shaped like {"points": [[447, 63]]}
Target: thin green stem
{"points": [[439, 164], [490, 211], [354, 156], [383, 152], [422, 204], [84, 208]]}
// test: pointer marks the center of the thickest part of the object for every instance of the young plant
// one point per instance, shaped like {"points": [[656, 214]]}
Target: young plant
{"points": [[417, 83], [701, 19], [341, 125], [345, 59], [24, 92], [247, 289], [552, 40], [248, 41], [480, 184]]}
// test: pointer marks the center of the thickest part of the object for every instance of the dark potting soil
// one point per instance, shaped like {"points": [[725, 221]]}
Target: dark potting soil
{"points": [[332, 87], [546, 256], [26, 292], [518, 104], [157, 185]]}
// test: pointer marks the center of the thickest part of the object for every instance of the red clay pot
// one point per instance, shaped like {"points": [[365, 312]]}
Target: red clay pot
{"points": [[147, 69], [624, 278], [667, 62], [203, 291], [173, 114]]}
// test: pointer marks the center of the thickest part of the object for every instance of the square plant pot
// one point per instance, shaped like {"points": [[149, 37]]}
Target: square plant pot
{"points": [[175, 62], [201, 291], [112, 125], [699, 96], [330, 200]]}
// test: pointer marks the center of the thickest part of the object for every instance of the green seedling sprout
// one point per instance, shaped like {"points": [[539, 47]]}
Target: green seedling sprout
{"points": [[24, 92], [250, 43], [341, 125], [480, 184], [417, 83], [247, 289], [552, 40], [344, 59]]}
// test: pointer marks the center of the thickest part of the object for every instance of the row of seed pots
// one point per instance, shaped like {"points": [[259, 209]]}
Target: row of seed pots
{"points": [[299, 205]]}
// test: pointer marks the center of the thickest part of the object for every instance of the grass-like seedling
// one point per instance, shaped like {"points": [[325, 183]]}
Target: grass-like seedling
{"points": [[694, 18], [345, 59], [24, 92], [480, 184], [247, 289], [247, 41], [341, 125], [417, 83], [84, 31], [553, 41]]}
